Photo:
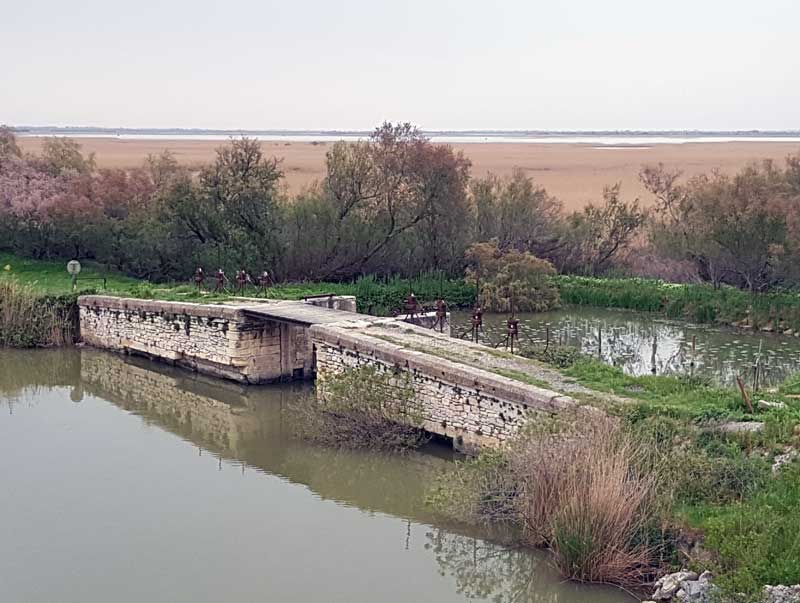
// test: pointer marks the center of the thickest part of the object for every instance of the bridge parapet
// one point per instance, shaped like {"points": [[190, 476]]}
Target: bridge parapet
{"points": [[472, 406]]}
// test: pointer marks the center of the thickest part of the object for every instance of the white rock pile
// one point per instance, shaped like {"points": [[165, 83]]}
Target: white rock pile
{"points": [[687, 587], [684, 587], [782, 594]]}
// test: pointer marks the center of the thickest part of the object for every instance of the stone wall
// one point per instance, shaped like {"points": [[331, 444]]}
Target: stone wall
{"points": [[217, 340], [472, 406], [275, 341]]}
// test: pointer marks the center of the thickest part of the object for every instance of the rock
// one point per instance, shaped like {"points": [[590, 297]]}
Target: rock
{"points": [[667, 586], [766, 405], [697, 591], [741, 426], [783, 459], [788, 332], [782, 594]]}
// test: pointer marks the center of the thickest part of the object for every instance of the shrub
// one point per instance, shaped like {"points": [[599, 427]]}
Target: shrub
{"points": [[481, 490], [511, 280], [582, 486], [704, 478], [361, 408]]}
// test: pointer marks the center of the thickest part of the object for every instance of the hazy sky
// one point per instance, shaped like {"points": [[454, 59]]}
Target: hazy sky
{"points": [[350, 64]]}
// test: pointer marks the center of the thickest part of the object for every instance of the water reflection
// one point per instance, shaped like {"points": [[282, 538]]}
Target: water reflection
{"points": [[486, 570], [643, 344], [251, 514]]}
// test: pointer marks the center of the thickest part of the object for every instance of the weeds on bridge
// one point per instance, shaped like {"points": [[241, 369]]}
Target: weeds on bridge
{"points": [[363, 407]]}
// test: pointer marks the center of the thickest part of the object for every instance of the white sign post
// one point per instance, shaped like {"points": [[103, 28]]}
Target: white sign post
{"points": [[74, 268]]}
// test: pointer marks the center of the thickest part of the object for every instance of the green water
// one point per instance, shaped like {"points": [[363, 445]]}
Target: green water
{"points": [[644, 343], [126, 481]]}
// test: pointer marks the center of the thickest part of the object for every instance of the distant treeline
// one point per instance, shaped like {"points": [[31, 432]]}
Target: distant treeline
{"points": [[104, 131], [394, 204]]}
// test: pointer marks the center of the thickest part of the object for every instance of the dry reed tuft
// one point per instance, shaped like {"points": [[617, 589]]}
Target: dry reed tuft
{"points": [[585, 493]]}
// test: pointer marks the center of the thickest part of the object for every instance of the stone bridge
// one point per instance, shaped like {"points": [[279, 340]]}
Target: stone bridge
{"points": [[465, 391]]}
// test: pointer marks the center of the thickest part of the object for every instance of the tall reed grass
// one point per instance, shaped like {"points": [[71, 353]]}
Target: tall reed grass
{"points": [[583, 487], [29, 319], [695, 302], [585, 494]]}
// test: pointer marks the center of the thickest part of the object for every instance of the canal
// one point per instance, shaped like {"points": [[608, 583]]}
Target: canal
{"points": [[129, 481], [643, 343]]}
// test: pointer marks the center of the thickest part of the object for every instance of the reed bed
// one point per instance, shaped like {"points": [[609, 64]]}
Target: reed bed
{"points": [[700, 303], [29, 319]]}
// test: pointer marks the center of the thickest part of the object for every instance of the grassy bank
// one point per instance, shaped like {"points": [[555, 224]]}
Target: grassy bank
{"points": [[708, 498], [694, 302], [375, 296]]}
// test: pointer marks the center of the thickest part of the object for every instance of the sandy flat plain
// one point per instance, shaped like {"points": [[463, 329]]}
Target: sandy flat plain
{"points": [[575, 173]]}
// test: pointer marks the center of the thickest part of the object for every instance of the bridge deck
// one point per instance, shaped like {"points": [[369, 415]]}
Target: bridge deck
{"points": [[303, 314]]}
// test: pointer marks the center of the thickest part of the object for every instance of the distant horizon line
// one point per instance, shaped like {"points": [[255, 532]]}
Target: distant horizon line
{"points": [[22, 129]]}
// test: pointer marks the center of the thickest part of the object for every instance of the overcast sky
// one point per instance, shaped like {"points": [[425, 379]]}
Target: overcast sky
{"points": [[350, 64]]}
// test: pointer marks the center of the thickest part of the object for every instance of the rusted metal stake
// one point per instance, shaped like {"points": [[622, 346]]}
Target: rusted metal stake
{"points": [[744, 394]]}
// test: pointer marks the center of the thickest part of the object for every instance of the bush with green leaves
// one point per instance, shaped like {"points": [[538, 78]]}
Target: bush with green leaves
{"points": [[511, 280]]}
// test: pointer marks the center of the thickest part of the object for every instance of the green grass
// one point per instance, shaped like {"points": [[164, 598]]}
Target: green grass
{"points": [[522, 377], [756, 541], [51, 277], [699, 303], [721, 483], [688, 399], [375, 296], [695, 302]]}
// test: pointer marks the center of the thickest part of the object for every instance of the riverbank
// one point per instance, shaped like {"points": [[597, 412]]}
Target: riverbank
{"points": [[698, 303], [694, 302], [711, 483]]}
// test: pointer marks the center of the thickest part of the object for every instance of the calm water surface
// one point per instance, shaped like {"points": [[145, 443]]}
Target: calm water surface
{"points": [[645, 344], [126, 481]]}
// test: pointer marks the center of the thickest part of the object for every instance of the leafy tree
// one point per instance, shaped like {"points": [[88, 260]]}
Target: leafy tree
{"points": [[516, 212], [162, 168], [739, 230], [8, 144], [387, 187], [595, 236], [241, 190], [61, 155]]}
